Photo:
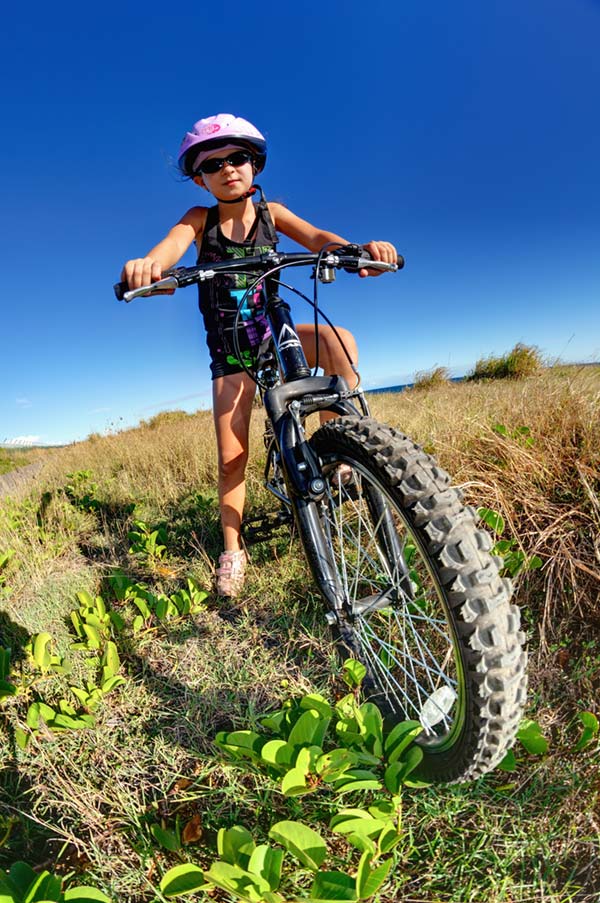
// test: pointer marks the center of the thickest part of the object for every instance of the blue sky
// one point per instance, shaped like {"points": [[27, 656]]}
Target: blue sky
{"points": [[467, 133]]}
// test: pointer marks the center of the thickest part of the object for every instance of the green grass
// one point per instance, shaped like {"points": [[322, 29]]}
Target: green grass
{"points": [[83, 803]]}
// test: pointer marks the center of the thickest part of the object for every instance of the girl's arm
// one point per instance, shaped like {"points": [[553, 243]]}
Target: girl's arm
{"points": [[144, 270], [312, 238]]}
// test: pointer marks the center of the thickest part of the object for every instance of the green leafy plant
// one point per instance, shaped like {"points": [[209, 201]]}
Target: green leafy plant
{"points": [[185, 601], [521, 434], [515, 561], [81, 490], [5, 558], [590, 730], [6, 687], [311, 745], [40, 649], [148, 542], [530, 737], [23, 885], [255, 872], [93, 622]]}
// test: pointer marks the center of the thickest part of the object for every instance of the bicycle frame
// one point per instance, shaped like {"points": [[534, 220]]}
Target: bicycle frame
{"points": [[288, 404]]}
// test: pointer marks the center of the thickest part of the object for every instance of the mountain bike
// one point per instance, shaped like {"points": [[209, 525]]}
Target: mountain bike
{"points": [[409, 584]]}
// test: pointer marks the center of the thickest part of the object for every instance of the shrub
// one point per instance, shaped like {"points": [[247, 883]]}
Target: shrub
{"points": [[164, 417], [522, 360], [429, 379]]}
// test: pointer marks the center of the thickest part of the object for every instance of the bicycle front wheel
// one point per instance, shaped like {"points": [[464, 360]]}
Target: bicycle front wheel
{"points": [[423, 605]]}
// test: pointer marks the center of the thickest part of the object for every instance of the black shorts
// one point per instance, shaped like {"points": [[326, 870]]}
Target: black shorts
{"points": [[224, 361]]}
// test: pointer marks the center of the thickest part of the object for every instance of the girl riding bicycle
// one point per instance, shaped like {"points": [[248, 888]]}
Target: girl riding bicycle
{"points": [[223, 154]]}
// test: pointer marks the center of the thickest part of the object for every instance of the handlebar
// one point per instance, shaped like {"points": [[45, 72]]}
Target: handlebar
{"points": [[350, 257]]}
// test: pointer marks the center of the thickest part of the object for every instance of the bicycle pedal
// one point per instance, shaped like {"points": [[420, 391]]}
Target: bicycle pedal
{"points": [[264, 526]]}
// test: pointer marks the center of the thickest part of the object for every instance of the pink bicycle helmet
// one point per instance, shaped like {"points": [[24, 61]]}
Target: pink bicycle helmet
{"points": [[222, 130]]}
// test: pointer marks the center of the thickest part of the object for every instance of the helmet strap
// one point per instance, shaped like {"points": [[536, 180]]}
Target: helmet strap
{"points": [[242, 197]]}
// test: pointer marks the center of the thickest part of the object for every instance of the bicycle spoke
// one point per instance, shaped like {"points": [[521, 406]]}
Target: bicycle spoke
{"points": [[407, 644]]}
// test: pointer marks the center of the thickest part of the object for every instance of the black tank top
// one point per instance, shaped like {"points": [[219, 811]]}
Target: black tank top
{"points": [[219, 297]]}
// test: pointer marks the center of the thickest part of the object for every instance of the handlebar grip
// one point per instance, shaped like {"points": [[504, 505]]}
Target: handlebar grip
{"points": [[400, 261], [119, 289]]}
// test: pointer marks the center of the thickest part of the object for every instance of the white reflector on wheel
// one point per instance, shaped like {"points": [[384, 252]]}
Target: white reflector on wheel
{"points": [[436, 707]]}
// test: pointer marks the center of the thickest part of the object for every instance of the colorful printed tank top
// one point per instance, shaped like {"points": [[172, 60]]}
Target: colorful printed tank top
{"points": [[219, 297]]}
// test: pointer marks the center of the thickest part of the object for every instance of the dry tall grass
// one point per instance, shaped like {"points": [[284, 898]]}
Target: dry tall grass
{"points": [[545, 484]]}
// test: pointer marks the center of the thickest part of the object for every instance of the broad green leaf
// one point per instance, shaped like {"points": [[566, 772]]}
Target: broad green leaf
{"points": [[277, 752], [183, 879], [41, 651], [85, 600], [531, 737], [22, 876], [354, 673], [373, 727], [235, 845], [266, 862], [93, 636], [142, 605], [333, 764], [369, 880], [333, 886], [117, 621], [77, 623], [231, 878], [240, 743], [110, 660], [386, 808], [293, 782], [357, 779], [590, 729], [399, 738], [345, 814], [301, 841], [509, 762], [21, 738], [309, 730], [111, 683], [396, 774], [167, 839], [318, 703], [162, 607], [46, 888], [367, 827], [7, 689], [492, 519], [84, 894], [388, 839], [33, 716]]}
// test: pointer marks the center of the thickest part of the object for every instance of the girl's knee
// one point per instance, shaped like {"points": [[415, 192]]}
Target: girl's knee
{"points": [[232, 465], [340, 344]]}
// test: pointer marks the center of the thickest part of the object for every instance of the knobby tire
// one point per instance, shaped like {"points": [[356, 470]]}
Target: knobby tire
{"points": [[437, 613]]}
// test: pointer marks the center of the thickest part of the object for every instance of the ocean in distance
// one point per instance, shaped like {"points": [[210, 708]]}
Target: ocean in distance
{"points": [[384, 389]]}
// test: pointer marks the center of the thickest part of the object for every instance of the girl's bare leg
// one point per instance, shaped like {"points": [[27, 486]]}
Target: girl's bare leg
{"points": [[232, 406], [331, 355]]}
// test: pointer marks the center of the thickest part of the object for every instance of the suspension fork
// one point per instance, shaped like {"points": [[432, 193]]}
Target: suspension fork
{"points": [[306, 489]]}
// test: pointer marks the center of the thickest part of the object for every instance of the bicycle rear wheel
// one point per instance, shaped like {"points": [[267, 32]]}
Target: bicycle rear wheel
{"points": [[424, 607]]}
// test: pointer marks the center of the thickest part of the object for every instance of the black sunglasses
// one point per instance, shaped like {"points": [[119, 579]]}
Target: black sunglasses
{"points": [[214, 164]]}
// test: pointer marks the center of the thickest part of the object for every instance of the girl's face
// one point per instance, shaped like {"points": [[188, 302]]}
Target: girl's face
{"points": [[229, 182]]}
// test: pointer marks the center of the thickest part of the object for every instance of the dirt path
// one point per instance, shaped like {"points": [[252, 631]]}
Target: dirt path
{"points": [[15, 479]]}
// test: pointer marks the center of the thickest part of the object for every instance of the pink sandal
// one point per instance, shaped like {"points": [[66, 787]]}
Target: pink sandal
{"points": [[230, 573]]}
